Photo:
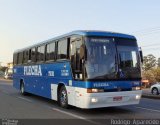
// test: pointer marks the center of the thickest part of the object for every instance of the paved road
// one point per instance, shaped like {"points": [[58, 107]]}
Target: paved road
{"points": [[14, 105]]}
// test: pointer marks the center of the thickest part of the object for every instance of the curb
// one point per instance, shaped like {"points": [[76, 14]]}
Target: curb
{"points": [[8, 80], [151, 96]]}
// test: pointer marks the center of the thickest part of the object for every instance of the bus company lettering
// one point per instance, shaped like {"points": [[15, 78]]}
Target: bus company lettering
{"points": [[64, 73], [33, 70], [103, 84]]}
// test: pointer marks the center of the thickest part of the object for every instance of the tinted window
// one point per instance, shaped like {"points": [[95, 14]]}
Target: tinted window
{"points": [[125, 42], [75, 54], [62, 49], [20, 58], [33, 54], [76, 61], [40, 53], [15, 59], [25, 56], [128, 58], [50, 54]]}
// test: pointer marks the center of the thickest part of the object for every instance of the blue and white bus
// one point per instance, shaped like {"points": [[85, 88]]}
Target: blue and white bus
{"points": [[86, 69]]}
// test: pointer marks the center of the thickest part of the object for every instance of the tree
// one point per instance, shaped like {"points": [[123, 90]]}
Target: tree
{"points": [[149, 62], [149, 75], [156, 73], [2, 68], [158, 62]]}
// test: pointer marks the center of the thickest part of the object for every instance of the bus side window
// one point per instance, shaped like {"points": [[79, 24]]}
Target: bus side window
{"points": [[25, 56], [33, 55], [50, 52], [20, 57], [40, 53], [29, 56], [62, 49], [15, 60]]}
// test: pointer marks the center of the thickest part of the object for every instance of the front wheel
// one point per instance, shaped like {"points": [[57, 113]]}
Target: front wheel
{"points": [[63, 97], [155, 91]]}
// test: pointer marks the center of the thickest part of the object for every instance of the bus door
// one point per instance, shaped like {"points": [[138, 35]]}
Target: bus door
{"points": [[76, 61]]}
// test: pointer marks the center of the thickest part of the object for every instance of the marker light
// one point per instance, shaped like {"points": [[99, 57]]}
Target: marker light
{"points": [[136, 88], [94, 90]]}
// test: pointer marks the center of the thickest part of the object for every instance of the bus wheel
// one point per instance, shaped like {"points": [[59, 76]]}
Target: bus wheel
{"points": [[63, 97], [22, 90]]}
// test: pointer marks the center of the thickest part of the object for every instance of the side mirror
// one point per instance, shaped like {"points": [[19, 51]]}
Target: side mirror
{"points": [[141, 54], [82, 52]]}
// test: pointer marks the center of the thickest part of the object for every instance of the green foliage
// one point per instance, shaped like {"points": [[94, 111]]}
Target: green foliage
{"points": [[149, 62], [151, 69], [1, 74], [156, 73], [149, 76], [158, 62], [152, 75], [3, 68]]}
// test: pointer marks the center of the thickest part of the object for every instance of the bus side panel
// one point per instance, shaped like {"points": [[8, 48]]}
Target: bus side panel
{"points": [[53, 73], [17, 75], [56, 73]]}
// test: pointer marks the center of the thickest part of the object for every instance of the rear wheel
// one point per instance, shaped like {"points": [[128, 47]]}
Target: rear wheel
{"points": [[22, 89], [63, 97], [155, 91]]}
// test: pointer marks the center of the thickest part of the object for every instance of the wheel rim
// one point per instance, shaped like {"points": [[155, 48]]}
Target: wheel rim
{"points": [[63, 97], [22, 89], [154, 91]]}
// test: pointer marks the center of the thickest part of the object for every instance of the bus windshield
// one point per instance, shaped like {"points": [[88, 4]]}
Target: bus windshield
{"points": [[128, 58], [108, 58], [100, 58]]}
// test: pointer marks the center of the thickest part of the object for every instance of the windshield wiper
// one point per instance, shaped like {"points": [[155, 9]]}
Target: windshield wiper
{"points": [[102, 77]]}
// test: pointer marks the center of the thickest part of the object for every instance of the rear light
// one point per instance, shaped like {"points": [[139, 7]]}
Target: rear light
{"points": [[136, 88], [94, 90]]}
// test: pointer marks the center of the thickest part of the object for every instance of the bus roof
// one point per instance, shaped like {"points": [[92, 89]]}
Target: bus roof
{"points": [[84, 33]]}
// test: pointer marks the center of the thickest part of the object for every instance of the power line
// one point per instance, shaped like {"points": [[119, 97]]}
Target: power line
{"points": [[151, 45], [149, 33], [151, 48], [146, 30]]}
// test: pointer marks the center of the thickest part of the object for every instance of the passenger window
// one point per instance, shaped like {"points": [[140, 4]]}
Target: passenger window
{"points": [[33, 54], [20, 58], [62, 49], [40, 53], [15, 56], [25, 56], [50, 54]]}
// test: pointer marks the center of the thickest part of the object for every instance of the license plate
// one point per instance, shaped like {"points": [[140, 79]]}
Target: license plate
{"points": [[117, 98]]}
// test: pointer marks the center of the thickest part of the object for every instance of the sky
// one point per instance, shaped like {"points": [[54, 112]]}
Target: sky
{"points": [[26, 22]]}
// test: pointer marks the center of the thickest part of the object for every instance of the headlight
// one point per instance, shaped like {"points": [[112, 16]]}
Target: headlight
{"points": [[94, 90], [94, 100], [136, 88], [138, 97]]}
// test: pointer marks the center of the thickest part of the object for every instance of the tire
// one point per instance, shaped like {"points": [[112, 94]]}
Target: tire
{"points": [[63, 97], [155, 91], [22, 89]]}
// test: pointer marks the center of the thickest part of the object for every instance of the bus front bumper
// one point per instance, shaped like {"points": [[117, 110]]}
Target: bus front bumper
{"points": [[108, 99]]}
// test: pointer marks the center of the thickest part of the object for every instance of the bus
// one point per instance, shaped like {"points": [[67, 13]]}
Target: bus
{"points": [[85, 69]]}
